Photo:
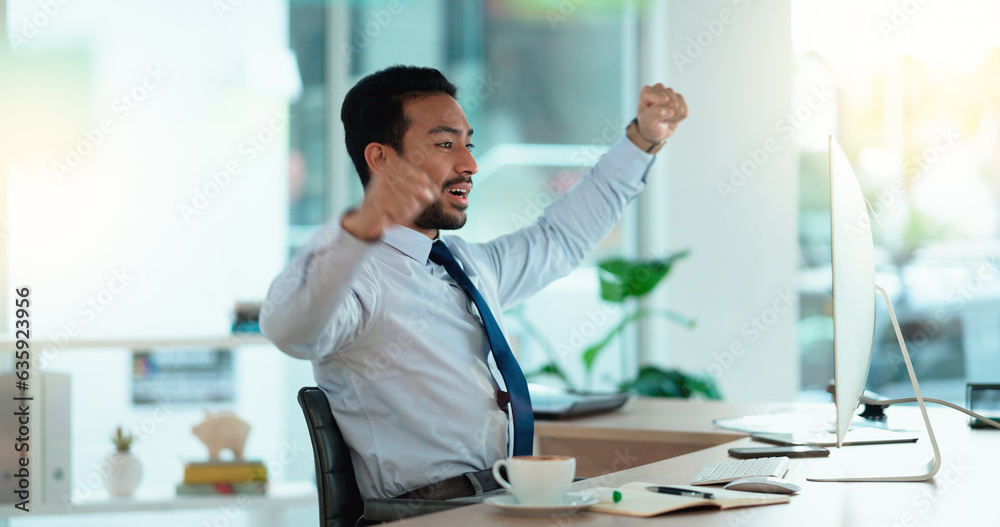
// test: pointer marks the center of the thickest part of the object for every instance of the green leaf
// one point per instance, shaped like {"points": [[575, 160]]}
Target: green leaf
{"points": [[594, 350], [621, 279], [655, 382]]}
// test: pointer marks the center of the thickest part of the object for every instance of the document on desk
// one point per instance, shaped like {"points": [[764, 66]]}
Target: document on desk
{"points": [[639, 502], [857, 436]]}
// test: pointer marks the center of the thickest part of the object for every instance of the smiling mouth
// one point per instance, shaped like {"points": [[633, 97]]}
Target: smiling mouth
{"points": [[459, 198], [457, 191]]}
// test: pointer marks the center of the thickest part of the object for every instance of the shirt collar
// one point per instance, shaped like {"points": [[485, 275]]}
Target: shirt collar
{"points": [[409, 242]]}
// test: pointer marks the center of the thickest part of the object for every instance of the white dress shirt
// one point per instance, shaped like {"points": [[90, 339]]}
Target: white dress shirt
{"points": [[399, 348]]}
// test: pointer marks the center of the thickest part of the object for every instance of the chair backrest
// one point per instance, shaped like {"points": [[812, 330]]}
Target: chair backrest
{"points": [[340, 503]]}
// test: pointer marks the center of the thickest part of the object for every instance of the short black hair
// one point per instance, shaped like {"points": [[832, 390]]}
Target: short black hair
{"points": [[373, 109]]}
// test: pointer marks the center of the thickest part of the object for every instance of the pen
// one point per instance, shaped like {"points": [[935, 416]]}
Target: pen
{"points": [[681, 492]]}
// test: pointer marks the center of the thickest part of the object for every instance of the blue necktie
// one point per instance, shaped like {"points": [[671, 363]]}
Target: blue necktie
{"points": [[513, 377]]}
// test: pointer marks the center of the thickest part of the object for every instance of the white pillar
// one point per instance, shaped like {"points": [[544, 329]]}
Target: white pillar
{"points": [[732, 61]]}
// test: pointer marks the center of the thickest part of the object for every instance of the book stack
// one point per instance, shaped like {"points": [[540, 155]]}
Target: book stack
{"points": [[224, 477]]}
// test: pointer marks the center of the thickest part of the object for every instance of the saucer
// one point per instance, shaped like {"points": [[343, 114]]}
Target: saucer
{"points": [[572, 503]]}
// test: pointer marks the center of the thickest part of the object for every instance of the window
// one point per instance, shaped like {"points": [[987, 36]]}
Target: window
{"points": [[546, 85], [909, 88]]}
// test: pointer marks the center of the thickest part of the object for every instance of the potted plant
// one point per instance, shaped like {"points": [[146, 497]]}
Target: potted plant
{"points": [[623, 282], [124, 469]]}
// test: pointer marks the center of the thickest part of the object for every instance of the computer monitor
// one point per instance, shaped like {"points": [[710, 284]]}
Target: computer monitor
{"points": [[854, 290], [853, 287]]}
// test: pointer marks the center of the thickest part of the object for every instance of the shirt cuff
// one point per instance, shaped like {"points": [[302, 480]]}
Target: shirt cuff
{"points": [[630, 162]]}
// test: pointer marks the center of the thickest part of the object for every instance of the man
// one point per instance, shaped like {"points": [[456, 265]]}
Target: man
{"points": [[407, 344]]}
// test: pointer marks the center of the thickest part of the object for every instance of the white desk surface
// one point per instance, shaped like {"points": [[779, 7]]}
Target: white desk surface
{"points": [[961, 493]]}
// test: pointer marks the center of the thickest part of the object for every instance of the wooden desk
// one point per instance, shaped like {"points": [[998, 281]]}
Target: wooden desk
{"points": [[644, 431], [961, 493]]}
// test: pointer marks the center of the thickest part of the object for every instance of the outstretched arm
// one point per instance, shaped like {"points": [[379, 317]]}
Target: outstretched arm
{"points": [[310, 306], [529, 259]]}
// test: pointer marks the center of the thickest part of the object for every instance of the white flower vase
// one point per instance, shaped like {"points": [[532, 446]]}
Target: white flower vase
{"points": [[124, 475]]}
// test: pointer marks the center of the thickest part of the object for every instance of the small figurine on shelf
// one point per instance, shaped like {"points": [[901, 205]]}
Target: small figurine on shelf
{"points": [[126, 469], [223, 431], [220, 431]]}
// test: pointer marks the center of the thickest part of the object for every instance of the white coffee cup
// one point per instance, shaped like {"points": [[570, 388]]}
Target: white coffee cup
{"points": [[537, 480]]}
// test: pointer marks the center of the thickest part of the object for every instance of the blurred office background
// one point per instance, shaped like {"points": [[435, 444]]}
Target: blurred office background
{"points": [[161, 161]]}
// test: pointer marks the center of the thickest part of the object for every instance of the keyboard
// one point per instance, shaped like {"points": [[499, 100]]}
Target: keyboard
{"points": [[726, 471]]}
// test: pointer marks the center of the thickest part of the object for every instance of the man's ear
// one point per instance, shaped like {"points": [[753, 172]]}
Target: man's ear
{"points": [[376, 156]]}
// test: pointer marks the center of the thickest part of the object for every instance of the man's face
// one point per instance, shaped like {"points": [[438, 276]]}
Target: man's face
{"points": [[438, 142]]}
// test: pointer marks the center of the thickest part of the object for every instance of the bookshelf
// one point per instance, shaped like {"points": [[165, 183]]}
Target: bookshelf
{"points": [[7, 343], [296, 497], [264, 509]]}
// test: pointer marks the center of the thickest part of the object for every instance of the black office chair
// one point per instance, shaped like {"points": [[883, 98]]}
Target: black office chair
{"points": [[340, 503]]}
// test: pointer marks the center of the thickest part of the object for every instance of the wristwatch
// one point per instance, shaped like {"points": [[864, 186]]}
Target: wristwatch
{"points": [[632, 132]]}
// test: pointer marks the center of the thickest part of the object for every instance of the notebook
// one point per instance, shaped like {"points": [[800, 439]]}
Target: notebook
{"points": [[554, 403], [639, 502]]}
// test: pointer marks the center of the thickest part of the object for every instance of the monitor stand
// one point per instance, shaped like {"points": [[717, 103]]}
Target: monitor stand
{"points": [[868, 472]]}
